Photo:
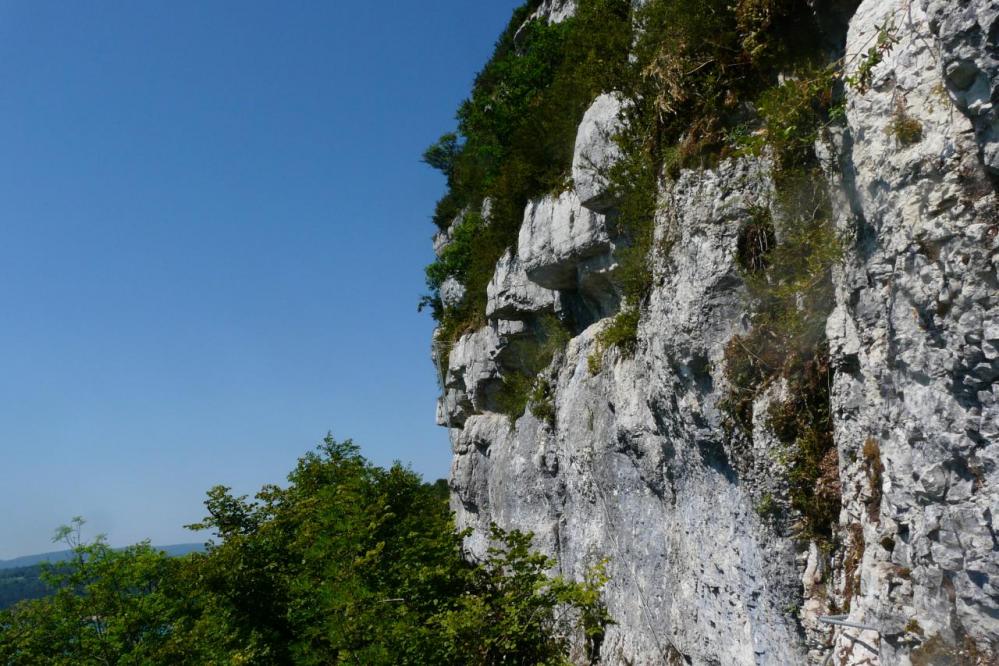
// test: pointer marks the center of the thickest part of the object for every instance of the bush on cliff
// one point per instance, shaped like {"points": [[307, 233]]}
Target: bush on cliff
{"points": [[516, 134]]}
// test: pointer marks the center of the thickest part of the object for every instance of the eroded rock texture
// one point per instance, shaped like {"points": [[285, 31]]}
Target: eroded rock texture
{"points": [[636, 465]]}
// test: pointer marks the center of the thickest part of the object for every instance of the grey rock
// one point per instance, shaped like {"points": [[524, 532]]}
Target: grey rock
{"points": [[452, 293], [558, 234], [596, 152], [639, 467], [555, 11], [968, 35], [511, 294]]}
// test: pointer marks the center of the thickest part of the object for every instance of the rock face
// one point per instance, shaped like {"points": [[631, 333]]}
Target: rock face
{"points": [[557, 237], [915, 301], [968, 35], [636, 465], [555, 11], [596, 152]]}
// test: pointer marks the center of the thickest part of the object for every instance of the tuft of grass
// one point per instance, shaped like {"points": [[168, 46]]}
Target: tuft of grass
{"points": [[906, 129], [875, 477], [542, 401], [622, 332], [768, 508], [790, 298], [756, 240], [937, 651], [851, 562]]}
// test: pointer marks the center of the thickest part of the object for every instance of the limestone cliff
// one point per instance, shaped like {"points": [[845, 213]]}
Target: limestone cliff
{"points": [[636, 460]]}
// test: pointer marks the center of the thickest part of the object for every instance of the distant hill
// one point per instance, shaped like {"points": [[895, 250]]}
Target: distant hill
{"points": [[19, 583], [19, 577], [175, 550]]}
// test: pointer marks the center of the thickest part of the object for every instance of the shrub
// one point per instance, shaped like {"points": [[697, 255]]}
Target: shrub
{"points": [[441, 155], [622, 332], [756, 240], [863, 76], [790, 298], [456, 259], [852, 560], [768, 508], [542, 400], [793, 114], [906, 129]]}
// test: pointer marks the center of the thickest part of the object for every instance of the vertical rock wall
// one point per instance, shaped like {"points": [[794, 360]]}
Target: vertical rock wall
{"points": [[635, 465]]}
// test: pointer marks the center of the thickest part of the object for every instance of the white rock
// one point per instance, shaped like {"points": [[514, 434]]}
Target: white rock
{"points": [[554, 11], [452, 292], [596, 152], [557, 235], [639, 467], [511, 294]]}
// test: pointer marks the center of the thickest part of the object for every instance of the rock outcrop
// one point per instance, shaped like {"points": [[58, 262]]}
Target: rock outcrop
{"points": [[637, 464]]}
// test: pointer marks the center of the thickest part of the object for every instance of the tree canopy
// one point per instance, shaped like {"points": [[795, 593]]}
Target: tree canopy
{"points": [[349, 563]]}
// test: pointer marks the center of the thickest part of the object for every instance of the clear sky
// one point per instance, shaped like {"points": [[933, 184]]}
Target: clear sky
{"points": [[213, 227]]}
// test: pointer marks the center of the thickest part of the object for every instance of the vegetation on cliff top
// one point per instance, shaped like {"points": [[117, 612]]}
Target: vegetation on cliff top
{"points": [[515, 139]]}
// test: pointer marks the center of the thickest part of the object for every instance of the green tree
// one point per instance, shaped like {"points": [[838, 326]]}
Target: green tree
{"points": [[442, 154], [350, 563], [110, 607]]}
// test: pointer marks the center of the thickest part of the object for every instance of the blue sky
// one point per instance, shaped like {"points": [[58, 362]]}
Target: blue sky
{"points": [[213, 227]]}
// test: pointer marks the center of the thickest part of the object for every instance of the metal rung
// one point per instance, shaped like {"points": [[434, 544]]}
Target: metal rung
{"points": [[843, 622]]}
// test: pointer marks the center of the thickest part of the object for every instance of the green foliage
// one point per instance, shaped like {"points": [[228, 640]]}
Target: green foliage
{"points": [[768, 508], [447, 210], [793, 115], [622, 332], [886, 40], [512, 619], [787, 257], [456, 259], [542, 401], [699, 60], [634, 184], [594, 363], [514, 394], [350, 563], [109, 607], [518, 128], [790, 297], [803, 423], [441, 155], [756, 240]]}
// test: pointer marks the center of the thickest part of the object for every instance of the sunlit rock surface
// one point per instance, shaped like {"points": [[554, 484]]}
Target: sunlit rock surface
{"points": [[636, 466]]}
